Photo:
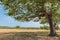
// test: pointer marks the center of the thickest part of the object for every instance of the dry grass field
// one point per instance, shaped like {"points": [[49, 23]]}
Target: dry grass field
{"points": [[27, 34]]}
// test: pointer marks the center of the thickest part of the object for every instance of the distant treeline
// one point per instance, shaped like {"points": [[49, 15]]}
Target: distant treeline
{"points": [[18, 27], [3, 27]]}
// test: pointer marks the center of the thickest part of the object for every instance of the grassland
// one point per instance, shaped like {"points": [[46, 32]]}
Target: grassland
{"points": [[27, 34]]}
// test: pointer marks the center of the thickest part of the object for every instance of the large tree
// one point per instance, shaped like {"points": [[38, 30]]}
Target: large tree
{"points": [[26, 10]]}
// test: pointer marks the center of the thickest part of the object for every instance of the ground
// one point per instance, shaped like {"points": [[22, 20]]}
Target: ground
{"points": [[27, 34]]}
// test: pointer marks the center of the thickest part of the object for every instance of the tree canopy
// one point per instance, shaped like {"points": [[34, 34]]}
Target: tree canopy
{"points": [[26, 10]]}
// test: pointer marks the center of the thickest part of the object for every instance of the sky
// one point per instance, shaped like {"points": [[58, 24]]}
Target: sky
{"points": [[9, 21]]}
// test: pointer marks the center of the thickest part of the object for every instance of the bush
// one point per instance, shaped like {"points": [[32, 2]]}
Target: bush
{"points": [[17, 27], [57, 27], [45, 27]]}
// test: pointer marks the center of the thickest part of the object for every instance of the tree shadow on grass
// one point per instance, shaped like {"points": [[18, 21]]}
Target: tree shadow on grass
{"points": [[27, 36]]}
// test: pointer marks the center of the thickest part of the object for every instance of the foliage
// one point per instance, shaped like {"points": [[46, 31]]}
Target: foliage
{"points": [[26, 10], [17, 27], [45, 27], [57, 27]]}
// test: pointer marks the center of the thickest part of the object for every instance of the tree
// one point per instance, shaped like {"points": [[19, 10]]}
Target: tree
{"points": [[26, 10], [17, 27]]}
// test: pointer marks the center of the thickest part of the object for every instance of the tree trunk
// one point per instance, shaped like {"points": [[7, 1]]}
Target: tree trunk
{"points": [[52, 26]]}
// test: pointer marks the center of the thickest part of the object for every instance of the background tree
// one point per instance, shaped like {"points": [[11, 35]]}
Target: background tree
{"points": [[26, 10], [17, 27]]}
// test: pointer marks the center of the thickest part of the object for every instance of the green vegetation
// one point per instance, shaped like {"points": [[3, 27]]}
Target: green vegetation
{"points": [[57, 27], [5, 27], [45, 27], [17, 27]]}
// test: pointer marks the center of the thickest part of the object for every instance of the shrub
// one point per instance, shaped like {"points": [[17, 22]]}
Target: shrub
{"points": [[45, 27], [17, 27], [57, 27]]}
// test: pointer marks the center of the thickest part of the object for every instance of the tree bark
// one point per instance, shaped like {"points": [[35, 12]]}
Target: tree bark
{"points": [[52, 26]]}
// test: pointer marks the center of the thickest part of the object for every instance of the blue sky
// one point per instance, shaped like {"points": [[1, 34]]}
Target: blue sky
{"points": [[8, 21]]}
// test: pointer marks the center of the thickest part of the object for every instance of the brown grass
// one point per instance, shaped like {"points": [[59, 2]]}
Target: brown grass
{"points": [[26, 34], [21, 30]]}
